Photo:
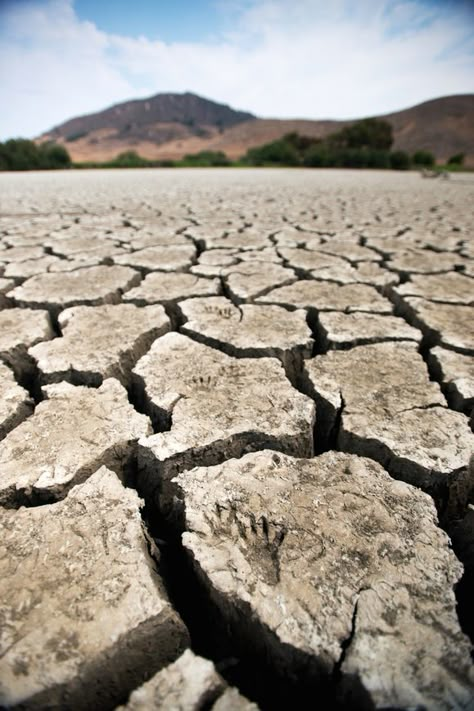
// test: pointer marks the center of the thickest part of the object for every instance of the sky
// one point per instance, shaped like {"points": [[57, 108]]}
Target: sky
{"points": [[276, 58]]}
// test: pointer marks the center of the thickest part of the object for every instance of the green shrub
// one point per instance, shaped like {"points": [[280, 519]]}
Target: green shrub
{"points": [[22, 154], [378, 159], [206, 159], [318, 156], [3, 158], [53, 156], [400, 160], [166, 163], [364, 144], [279, 152], [129, 159], [301, 143], [456, 159], [368, 133], [423, 158], [324, 155]]}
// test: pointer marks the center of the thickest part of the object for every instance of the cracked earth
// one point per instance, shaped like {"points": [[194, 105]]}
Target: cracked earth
{"points": [[236, 440]]}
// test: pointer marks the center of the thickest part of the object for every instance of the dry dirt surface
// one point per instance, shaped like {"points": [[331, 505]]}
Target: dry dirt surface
{"points": [[236, 440]]}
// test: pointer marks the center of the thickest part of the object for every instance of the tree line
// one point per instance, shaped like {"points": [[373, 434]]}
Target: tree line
{"points": [[364, 144], [22, 154]]}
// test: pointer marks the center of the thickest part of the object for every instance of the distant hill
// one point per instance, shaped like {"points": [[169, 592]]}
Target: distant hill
{"points": [[171, 125], [444, 126]]}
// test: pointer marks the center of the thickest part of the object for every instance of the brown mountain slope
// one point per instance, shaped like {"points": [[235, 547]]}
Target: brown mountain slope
{"points": [[444, 126], [153, 118], [174, 125]]}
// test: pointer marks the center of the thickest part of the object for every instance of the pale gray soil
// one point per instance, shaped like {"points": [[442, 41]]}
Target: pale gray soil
{"points": [[236, 446]]}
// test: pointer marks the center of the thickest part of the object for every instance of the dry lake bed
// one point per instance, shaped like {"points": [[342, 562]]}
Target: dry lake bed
{"points": [[236, 440]]}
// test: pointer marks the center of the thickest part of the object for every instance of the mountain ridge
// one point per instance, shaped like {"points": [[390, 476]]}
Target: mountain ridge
{"points": [[168, 126], [187, 108]]}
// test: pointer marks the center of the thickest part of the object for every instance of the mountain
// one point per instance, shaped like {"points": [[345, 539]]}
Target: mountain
{"points": [[444, 126], [151, 122], [171, 125]]}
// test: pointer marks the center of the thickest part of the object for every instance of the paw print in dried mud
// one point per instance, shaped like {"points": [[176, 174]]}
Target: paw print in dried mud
{"points": [[259, 539], [223, 311]]}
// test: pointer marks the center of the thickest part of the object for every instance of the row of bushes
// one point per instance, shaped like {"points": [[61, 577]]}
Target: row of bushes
{"points": [[21, 154], [278, 154], [324, 155], [131, 159], [366, 144]]}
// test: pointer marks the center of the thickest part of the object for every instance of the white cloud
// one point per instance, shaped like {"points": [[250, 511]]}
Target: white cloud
{"points": [[306, 58]]}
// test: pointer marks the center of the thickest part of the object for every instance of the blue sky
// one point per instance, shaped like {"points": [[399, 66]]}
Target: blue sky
{"points": [[172, 21], [276, 58]]}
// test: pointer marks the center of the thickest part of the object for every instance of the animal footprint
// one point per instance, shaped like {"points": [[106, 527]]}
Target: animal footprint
{"points": [[259, 539]]}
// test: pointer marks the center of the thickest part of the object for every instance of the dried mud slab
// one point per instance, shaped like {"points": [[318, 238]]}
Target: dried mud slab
{"points": [[402, 240], [328, 267], [349, 250], [165, 258], [363, 273], [27, 235], [247, 239], [80, 628], [15, 403], [373, 273], [21, 254], [342, 330], [249, 330], [170, 288], [308, 260], [20, 329], [152, 237], [248, 280], [426, 261], [216, 407], [448, 325], [91, 285], [392, 412], [101, 254], [449, 288], [31, 267], [456, 373], [231, 700], [219, 257], [328, 296], [210, 271], [79, 261], [328, 563], [76, 244], [467, 248], [191, 683], [267, 254], [291, 237], [71, 434], [99, 342]]}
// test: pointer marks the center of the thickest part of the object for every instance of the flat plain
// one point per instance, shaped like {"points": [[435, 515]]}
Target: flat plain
{"points": [[236, 440]]}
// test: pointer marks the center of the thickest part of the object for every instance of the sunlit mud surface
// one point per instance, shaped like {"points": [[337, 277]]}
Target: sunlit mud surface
{"points": [[236, 440]]}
